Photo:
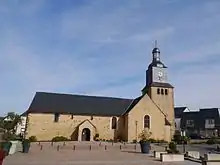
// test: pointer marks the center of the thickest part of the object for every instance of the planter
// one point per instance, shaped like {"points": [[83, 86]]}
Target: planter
{"points": [[25, 146], [158, 153], [145, 147], [212, 157], [172, 157], [5, 146], [2, 156], [193, 154], [14, 145]]}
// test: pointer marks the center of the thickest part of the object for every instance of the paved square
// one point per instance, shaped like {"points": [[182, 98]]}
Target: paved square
{"points": [[104, 154]]}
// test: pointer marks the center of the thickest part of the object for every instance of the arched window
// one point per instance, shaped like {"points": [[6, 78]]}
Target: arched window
{"points": [[146, 121], [114, 122], [166, 92], [162, 91], [158, 91]]}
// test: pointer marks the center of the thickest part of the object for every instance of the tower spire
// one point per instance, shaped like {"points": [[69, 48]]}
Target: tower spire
{"points": [[156, 52]]}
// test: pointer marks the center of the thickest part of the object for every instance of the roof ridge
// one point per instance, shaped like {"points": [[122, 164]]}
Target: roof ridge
{"points": [[83, 95]]}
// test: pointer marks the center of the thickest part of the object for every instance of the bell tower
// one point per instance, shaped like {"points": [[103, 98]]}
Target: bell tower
{"points": [[158, 87]]}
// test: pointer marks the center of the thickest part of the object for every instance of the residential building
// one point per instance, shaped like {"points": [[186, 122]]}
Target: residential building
{"points": [[205, 122], [178, 115]]}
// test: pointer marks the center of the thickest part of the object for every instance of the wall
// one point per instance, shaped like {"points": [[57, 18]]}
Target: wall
{"points": [[178, 121], [166, 104], [44, 127], [157, 120], [20, 128]]}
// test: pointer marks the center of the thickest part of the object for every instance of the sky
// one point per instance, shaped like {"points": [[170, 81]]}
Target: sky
{"points": [[103, 47]]}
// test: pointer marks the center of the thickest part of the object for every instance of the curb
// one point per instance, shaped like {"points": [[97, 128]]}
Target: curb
{"points": [[193, 159]]}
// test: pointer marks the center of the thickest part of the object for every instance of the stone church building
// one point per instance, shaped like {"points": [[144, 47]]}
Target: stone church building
{"points": [[81, 118]]}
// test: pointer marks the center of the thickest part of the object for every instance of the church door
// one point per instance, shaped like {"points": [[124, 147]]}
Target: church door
{"points": [[86, 134]]}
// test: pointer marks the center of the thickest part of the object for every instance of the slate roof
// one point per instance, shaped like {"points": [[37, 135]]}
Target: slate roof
{"points": [[155, 64], [133, 103], [157, 84], [78, 104], [200, 116], [179, 111]]}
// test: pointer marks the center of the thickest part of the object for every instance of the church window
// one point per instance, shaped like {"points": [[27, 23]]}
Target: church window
{"points": [[114, 122], [162, 91], [158, 91], [56, 117], [166, 92], [146, 121]]}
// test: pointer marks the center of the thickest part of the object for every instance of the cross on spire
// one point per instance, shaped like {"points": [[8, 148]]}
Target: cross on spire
{"points": [[155, 44]]}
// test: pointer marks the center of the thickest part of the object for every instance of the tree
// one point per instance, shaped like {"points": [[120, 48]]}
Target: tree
{"points": [[10, 122]]}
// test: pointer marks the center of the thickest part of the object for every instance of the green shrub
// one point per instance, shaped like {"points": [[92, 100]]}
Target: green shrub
{"points": [[96, 137], [151, 140], [172, 148], [161, 141], [177, 138], [25, 141], [211, 141], [59, 138], [134, 141], [33, 138], [10, 137]]}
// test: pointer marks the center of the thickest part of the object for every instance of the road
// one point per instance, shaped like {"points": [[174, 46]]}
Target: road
{"points": [[202, 148]]}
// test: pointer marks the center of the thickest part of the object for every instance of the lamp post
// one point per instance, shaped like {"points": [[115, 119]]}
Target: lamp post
{"points": [[136, 122], [183, 134]]}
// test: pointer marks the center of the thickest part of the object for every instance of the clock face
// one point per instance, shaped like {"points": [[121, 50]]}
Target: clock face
{"points": [[160, 74]]}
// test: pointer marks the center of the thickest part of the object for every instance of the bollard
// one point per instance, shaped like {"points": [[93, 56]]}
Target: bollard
{"points": [[64, 143], [112, 143], [120, 147], [51, 143], [100, 144], [166, 148], [41, 147], [90, 147], [135, 147], [38, 143], [74, 147], [124, 143], [105, 147], [58, 147]]}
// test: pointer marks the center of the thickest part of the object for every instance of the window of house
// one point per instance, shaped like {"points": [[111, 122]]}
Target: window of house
{"points": [[56, 117], [166, 92], [162, 91], [210, 121], [158, 91], [114, 122], [190, 122], [146, 121]]}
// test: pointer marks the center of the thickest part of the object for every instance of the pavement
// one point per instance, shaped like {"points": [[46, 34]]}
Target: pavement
{"points": [[87, 154]]}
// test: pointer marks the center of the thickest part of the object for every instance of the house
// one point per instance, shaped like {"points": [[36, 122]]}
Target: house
{"points": [[20, 128], [178, 111], [205, 122], [82, 117]]}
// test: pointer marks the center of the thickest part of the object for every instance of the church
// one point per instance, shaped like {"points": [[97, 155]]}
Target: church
{"points": [[86, 118]]}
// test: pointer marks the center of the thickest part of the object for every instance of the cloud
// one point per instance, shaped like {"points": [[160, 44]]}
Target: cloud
{"points": [[104, 48]]}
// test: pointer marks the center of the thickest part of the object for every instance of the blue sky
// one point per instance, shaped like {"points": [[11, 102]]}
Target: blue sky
{"points": [[103, 47]]}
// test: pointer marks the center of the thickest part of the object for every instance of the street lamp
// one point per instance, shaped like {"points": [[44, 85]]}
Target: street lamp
{"points": [[136, 122], [183, 134]]}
